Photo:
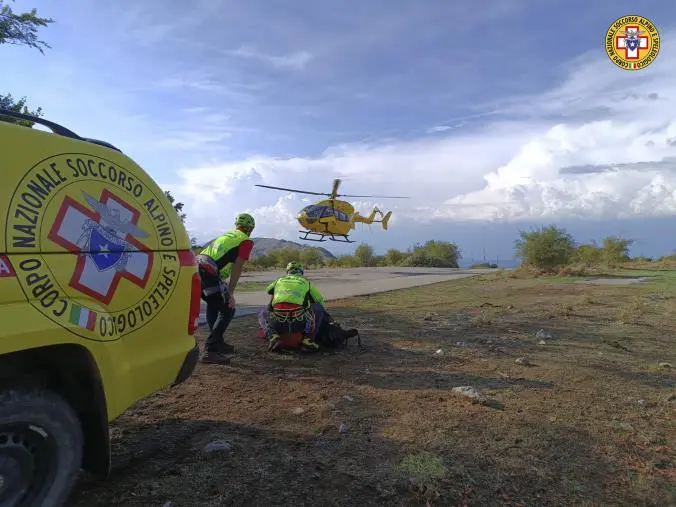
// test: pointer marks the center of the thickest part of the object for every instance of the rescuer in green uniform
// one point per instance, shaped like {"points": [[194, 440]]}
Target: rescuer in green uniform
{"points": [[296, 305], [223, 257]]}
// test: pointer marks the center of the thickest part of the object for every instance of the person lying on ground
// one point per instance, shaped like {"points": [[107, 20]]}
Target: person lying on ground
{"points": [[297, 306]]}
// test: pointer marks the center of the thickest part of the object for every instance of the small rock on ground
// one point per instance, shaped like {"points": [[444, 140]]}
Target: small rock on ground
{"points": [[469, 392], [523, 360], [665, 365], [543, 335]]}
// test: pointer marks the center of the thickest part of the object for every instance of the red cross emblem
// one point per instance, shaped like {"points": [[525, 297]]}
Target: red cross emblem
{"points": [[104, 238], [632, 42]]}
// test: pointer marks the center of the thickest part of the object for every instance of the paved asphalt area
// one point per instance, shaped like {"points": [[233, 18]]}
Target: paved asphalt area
{"points": [[344, 283]]}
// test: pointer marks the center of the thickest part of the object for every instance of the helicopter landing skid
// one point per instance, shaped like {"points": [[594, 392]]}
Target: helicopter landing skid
{"points": [[322, 237]]}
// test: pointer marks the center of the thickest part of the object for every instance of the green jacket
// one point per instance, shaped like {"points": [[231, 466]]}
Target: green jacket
{"points": [[224, 249], [294, 289]]}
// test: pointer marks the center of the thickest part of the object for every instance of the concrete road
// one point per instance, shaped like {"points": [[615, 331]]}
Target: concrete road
{"points": [[344, 283]]}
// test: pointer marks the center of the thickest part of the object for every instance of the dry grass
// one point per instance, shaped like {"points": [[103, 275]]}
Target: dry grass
{"points": [[588, 420]]}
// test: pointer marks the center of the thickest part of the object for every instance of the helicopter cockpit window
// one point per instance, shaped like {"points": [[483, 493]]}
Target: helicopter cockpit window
{"points": [[341, 216], [313, 211]]}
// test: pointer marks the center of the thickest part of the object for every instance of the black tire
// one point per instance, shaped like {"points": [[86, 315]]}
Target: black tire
{"points": [[41, 445]]}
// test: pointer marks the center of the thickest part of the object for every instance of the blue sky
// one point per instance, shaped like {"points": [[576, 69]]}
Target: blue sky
{"points": [[492, 119]]}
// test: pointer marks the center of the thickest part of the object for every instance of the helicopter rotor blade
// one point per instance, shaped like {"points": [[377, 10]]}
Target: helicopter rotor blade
{"points": [[293, 190], [377, 196], [334, 190]]}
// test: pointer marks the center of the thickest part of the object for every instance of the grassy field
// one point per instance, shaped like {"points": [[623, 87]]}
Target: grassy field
{"points": [[582, 413]]}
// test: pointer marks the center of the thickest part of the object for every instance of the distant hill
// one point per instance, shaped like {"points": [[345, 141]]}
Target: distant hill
{"points": [[263, 246]]}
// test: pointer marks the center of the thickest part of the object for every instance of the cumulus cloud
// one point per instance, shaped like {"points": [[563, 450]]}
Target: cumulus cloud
{"points": [[602, 144]]}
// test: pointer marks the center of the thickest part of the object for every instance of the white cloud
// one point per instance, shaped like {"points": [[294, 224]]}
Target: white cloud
{"points": [[297, 60], [619, 127], [440, 128]]}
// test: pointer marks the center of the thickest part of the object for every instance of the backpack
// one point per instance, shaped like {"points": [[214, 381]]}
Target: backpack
{"points": [[331, 335]]}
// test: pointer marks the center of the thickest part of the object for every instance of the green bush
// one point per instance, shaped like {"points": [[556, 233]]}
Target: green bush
{"points": [[393, 257], [548, 248], [616, 250], [433, 254], [363, 255], [588, 255]]}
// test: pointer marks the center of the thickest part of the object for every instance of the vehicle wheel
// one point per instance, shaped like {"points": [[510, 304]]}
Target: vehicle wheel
{"points": [[40, 448]]}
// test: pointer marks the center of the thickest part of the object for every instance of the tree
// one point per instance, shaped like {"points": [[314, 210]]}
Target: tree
{"points": [[21, 29], [364, 255], [546, 248], [433, 254], [311, 257], [263, 262], [448, 253], [348, 261], [393, 257], [177, 206], [588, 255], [18, 106], [616, 250], [282, 256]]}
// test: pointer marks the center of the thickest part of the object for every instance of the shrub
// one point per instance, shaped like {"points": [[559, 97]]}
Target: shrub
{"points": [[615, 250], [433, 254], [393, 257], [363, 255], [548, 248], [588, 255]]}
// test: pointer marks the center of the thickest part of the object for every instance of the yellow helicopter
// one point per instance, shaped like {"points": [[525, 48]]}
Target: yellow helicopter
{"points": [[332, 218]]}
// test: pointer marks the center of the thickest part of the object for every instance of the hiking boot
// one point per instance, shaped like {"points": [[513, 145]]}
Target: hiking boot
{"points": [[309, 344], [226, 348], [214, 357], [275, 341]]}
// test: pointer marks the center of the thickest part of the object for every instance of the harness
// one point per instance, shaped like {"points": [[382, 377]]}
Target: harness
{"points": [[287, 317], [215, 284]]}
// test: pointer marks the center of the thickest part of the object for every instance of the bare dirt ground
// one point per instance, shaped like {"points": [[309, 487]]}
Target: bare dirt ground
{"points": [[582, 413]]}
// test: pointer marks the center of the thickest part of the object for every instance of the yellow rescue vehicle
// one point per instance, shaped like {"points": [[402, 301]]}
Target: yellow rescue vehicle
{"points": [[99, 303]]}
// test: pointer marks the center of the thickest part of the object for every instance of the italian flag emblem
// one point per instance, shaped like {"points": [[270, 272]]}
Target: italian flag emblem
{"points": [[83, 317]]}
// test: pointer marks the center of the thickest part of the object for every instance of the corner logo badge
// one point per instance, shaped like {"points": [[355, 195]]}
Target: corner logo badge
{"points": [[95, 247], [632, 42]]}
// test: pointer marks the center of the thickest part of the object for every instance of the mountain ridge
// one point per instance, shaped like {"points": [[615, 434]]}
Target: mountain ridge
{"points": [[264, 246]]}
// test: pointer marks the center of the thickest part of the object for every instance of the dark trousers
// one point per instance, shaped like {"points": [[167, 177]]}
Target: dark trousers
{"points": [[219, 313], [320, 314], [219, 316]]}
